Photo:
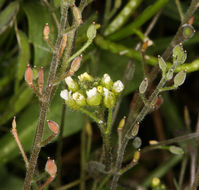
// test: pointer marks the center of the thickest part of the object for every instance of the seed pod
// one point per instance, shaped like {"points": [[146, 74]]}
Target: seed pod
{"points": [[135, 130], [153, 142], [46, 32], [143, 86], [179, 55], [53, 126], [93, 97], [77, 14], [29, 75], [63, 45], [76, 64], [162, 64], [79, 99], [169, 74], [176, 150], [72, 85], [137, 142], [51, 167], [179, 78], [188, 31], [91, 32]]}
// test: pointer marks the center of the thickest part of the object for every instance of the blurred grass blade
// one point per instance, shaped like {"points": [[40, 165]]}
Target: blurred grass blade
{"points": [[7, 16], [142, 18], [24, 56]]}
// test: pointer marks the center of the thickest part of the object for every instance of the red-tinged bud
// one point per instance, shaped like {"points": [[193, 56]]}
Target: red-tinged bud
{"points": [[51, 167], [191, 20], [63, 45], [29, 75], [53, 126], [157, 101], [46, 32], [76, 64], [41, 80], [77, 14]]}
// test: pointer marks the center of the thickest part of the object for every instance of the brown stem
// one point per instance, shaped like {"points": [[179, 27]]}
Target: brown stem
{"points": [[45, 104]]}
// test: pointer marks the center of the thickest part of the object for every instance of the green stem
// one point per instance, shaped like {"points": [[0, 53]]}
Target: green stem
{"points": [[98, 121], [80, 50], [104, 182], [108, 129], [46, 141], [168, 88], [45, 105], [83, 159], [180, 10]]}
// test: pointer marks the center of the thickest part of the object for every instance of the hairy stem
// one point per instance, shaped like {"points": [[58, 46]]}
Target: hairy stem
{"points": [[45, 104]]}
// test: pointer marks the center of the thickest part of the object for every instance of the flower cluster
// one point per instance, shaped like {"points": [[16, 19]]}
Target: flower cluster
{"points": [[88, 91]]}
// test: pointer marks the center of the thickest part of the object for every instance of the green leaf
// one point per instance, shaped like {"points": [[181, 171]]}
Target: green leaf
{"points": [[26, 126], [24, 56], [17, 102], [9, 181], [38, 16], [7, 16]]}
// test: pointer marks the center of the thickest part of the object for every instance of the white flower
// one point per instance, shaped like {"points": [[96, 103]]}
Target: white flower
{"points": [[92, 92], [107, 78], [93, 97], [72, 85], [64, 94], [106, 81], [79, 99], [118, 87], [109, 98]]}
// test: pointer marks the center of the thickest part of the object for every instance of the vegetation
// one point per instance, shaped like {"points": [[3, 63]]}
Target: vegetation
{"points": [[99, 94]]}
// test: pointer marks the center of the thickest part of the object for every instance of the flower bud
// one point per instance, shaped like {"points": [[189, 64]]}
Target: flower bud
{"points": [[169, 74], [143, 86], [176, 150], [76, 64], [162, 64], [100, 89], [93, 97], [79, 99], [106, 81], [51, 167], [72, 85], [136, 156], [122, 123], [29, 75], [46, 32], [155, 182], [53, 126], [188, 31], [91, 32], [77, 14], [117, 87], [179, 55], [153, 142], [109, 98], [179, 78], [85, 77]]}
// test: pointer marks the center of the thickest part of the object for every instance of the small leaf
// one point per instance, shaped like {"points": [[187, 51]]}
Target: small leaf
{"points": [[176, 150], [7, 16]]}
